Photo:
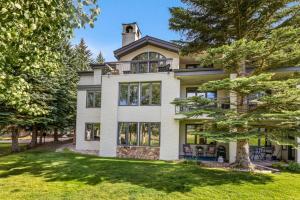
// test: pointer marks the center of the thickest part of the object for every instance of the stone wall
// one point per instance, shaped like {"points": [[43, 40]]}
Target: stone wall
{"points": [[147, 153]]}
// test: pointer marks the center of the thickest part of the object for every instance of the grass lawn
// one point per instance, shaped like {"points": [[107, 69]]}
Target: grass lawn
{"points": [[44, 174], [5, 148]]}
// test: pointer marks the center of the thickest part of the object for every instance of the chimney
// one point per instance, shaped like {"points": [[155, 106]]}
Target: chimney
{"points": [[131, 33]]}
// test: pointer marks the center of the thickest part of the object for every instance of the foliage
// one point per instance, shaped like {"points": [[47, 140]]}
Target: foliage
{"points": [[83, 56], [100, 59], [214, 23], [293, 167]]}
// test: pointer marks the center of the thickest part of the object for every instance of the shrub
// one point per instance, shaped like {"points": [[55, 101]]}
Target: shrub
{"points": [[294, 167]]}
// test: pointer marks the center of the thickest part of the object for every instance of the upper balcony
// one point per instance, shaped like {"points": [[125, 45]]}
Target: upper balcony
{"points": [[137, 67]]}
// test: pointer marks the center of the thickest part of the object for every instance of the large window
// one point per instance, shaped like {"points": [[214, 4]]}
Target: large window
{"points": [[93, 99], [150, 94], [148, 134], [192, 134], [193, 91], [148, 62], [128, 94], [92, 131]]}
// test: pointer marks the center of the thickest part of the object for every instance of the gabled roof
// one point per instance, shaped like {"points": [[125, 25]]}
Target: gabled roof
{"points": [[143, 42]]}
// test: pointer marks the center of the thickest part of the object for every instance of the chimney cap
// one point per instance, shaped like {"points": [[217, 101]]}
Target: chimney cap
{"points": [[133, 23]]}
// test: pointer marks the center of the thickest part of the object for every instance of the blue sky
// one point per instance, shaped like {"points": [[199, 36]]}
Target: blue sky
{"points": [[151, 15]]}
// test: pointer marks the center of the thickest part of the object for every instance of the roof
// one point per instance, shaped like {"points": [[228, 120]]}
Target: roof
{"points": [[143, 42]]}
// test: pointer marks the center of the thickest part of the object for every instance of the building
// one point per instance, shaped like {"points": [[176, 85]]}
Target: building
{"points": [[124, 108]]}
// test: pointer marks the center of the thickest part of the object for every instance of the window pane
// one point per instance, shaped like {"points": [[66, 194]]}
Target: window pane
{"points": [[97, 99], [90, 99], [155, 134], [88, 131], [123, 94], [153, 66], [143, 67], [191, 92], [155, 56], [144, 136], [96, 131], [132, 134], [145, 93], [192, 133], [122, 133], [135, 67], [134, 91], [211, 95], [155, 93], [143, 56]]}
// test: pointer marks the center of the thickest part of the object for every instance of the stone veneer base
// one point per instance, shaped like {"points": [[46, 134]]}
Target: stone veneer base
{"points": [[146, 153]]}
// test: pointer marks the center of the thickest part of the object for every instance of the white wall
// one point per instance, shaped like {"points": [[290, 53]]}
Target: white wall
{"points": [[85, 115], [298, 151], [170, 89]]}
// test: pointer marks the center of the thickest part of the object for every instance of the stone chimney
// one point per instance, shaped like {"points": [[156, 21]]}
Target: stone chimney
{"points": [[131, 33]]}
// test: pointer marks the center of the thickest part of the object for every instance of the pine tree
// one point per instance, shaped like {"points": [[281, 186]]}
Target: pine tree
{"points": [[83, 56], [234, 35], [100, 59]]}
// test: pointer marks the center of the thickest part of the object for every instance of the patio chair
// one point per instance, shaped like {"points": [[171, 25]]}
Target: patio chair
{"points": [[211, 151], [187, 151], [221, 151]]}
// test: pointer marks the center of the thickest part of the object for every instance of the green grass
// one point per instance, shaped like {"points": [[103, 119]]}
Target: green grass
{"points": [[44, 174], [5, 148]]}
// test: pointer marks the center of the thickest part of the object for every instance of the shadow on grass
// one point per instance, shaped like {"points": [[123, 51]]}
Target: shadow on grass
{"points": [[93, 170]]}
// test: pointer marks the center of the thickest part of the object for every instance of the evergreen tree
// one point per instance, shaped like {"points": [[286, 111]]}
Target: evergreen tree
{"points": [[30, 56], [100, 59], [83, 56], [234, 35]]}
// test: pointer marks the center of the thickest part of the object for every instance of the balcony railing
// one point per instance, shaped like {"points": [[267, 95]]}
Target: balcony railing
{"points": [[138, 67], [223, 104]]}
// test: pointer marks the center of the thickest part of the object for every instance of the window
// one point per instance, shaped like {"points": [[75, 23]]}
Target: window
{"points": [[193, 91], [128, 94], [92, 131], [128, 133], [93, 99], [148, 62], [192, 134], [148, 134], [150, 93]]}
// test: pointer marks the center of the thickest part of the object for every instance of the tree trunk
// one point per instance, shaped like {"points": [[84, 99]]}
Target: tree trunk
{"points": [[41, 137], [34, 136], [242, 154], [55, 135], [14, 140]]}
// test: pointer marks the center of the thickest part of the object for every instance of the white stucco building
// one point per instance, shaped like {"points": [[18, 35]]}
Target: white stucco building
{"points": [[124, 108]]}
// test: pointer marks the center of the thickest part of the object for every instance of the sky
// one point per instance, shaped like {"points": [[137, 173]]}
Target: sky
{"points": [[151, 15]]}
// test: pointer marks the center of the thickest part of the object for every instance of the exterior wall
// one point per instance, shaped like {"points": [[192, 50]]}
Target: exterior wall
{"points": [[85, 115], [164, 114], [298, 152], [151, 48]]}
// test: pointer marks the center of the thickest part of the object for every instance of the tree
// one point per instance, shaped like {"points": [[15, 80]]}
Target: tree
{"points": [[83, 56], [30, 39], [234, 35], [100, 59]]}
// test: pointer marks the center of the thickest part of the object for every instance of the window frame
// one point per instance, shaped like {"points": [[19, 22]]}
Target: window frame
{"points": [[139, 95], [128, 92], [139, 126], [151, 94], [94, 98], [197, 93], [92, 135], [148, 61], [196, 138]]}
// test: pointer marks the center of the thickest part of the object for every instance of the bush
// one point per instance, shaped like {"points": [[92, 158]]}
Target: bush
{"points": [[294, 167]]}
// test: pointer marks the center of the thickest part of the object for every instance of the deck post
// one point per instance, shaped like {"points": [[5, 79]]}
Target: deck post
{"points": [[232, 152], [297, 157]]}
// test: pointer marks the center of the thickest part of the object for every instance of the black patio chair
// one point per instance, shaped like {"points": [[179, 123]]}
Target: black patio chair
{"points": [[187, 151]]}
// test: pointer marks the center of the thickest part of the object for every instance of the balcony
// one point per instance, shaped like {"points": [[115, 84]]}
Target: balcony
{"points": [[138, 67], [216, 103]]}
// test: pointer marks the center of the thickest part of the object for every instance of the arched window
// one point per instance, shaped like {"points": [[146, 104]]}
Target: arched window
{"points": [[149, 56], [148, 62]]}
